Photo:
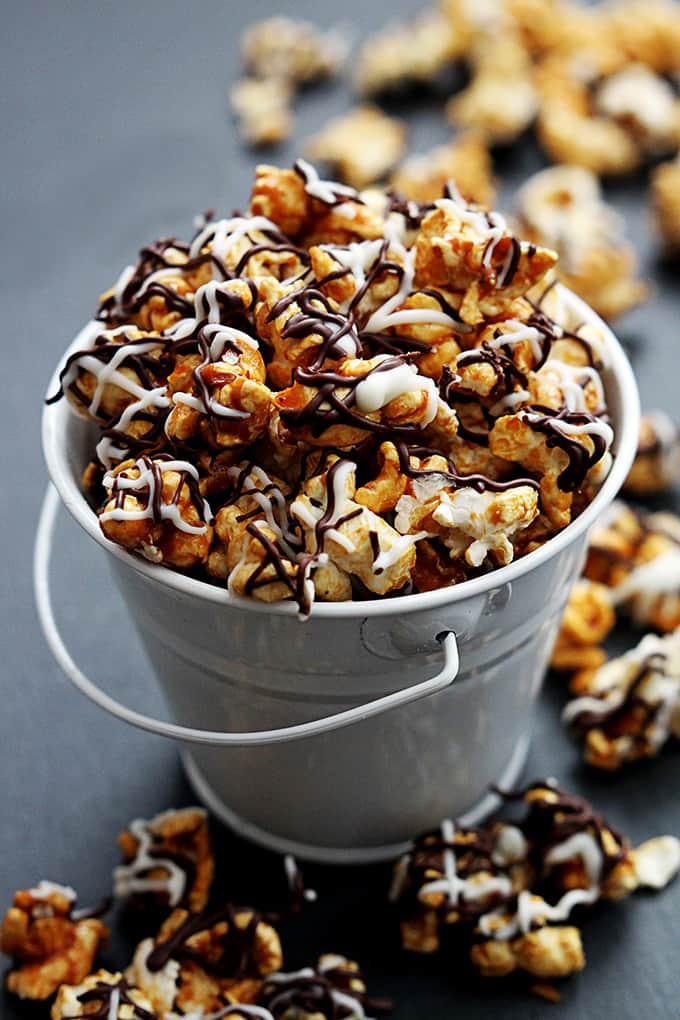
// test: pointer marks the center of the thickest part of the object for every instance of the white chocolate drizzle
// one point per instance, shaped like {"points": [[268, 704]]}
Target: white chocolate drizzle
{"points": [[130, 878], [379, 388], [145, 484], [325, 191]]}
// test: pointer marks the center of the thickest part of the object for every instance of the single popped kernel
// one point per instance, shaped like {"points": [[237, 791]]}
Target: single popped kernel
{"points": [[263, 109], [630, 707], [168, 859], [334, 988], [102, 995], [51, 942], [205, 962], [465, 160], [562, 207], [363, 145], [657, 462]]}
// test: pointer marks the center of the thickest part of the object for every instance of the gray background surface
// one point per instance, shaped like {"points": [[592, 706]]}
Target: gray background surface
{"points": [[114, 131]]}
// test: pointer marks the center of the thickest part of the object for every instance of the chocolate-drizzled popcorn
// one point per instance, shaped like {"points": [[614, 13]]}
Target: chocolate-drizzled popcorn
{"points": [[102, 996], [507, 890], [333, 990], [50, 940], [338, 394], [167, 859], [630, 707], [205, 961]]}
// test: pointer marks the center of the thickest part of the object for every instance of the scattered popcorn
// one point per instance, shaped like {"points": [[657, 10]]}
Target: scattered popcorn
{"points": [[506, 890]]}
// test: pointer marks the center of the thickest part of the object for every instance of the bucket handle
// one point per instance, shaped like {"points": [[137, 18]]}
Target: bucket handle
{"points": [[43, 599]]}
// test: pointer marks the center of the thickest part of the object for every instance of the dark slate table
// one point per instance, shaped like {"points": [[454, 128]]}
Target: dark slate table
{"points": [[115, 130]]}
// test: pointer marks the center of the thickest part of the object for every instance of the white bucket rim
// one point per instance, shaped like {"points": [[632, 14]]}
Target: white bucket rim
{"points": [[54, 429]]}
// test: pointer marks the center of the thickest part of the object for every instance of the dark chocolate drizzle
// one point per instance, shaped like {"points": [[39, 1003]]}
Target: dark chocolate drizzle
{"points": [[234, 958], [313, 994], [100, 997], [580, 458]]}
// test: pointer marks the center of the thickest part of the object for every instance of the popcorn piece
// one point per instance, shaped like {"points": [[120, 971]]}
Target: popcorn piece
{"points": [[562, 448], [339, 408], [155, 507], [465, 161], [657, 462], [413, 51], [470, 523], [220, 394], [568, 127], [335, 985], [587, 621], [657, 861], [168, 858], [547, 953], [102, 994], [357, 540], [501, 101], [630, 707], [299, 202], [644, 103], [292, 51], [648, 32], [50, 941], [204, 963], [638, 556], [465, 248], [666, 203], [363, 145], [562, 208], [262, 106]]}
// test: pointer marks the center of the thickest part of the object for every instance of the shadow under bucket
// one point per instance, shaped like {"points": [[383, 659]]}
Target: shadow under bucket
{"points": [[342, 737]]}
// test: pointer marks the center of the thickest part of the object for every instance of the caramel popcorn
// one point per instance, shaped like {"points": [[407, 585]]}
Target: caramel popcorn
{"points": [[262, 107], [465, 161], [507, 889], [363, 145], [293, 51], [203, 963], [409, 52], [637, 555], [168, 858], [665, 190], [501, 101], [335, 987], [104, 995], [587, 621], [657, 461], [630, 707], [340, 394], [50, 941], [563, 208]]}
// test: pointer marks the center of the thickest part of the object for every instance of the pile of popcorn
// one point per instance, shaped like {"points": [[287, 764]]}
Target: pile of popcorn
{"points": [[506, 889], [340, 395]]}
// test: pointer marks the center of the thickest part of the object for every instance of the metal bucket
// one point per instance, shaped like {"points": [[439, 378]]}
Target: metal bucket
{"points": [[339, 738]]}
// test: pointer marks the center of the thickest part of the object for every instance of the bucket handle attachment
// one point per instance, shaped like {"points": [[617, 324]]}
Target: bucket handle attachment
{"points": [[43, 599]]}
